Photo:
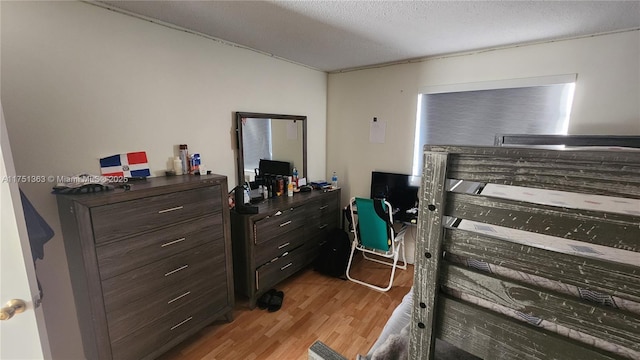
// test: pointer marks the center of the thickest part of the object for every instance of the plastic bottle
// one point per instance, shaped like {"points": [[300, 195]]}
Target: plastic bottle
{"points": [[334, 180], [295, 178], [280, 185], [274, 186], [290, 187], [269, 182], [184, 156], [195, 164], [247, 195], [177, 165]]}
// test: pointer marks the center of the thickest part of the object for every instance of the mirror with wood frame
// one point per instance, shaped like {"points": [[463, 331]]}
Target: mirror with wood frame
{"points": [[273, 138]]}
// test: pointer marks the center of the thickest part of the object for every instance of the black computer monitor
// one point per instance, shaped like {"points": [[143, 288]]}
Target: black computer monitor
{"points": [[400, 190]]}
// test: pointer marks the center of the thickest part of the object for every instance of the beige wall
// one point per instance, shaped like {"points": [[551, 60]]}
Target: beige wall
{"points": [[607, 98], [80, 82]]}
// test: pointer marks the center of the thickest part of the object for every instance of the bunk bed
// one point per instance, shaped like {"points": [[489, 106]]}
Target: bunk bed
{"points": [[543, 263], [501, 276], [632, 141]]}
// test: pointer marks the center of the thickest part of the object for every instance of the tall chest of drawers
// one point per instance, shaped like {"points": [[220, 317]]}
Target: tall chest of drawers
{"points": [[282, 238], [149, 266]]}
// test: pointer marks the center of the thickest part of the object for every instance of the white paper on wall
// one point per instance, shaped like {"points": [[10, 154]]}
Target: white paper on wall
{"points": [[377, 131]]}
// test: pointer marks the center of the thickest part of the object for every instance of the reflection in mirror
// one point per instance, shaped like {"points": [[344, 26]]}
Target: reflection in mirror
{"points": [[270, 137]]}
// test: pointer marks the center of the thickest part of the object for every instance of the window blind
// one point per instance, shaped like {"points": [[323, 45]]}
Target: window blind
{"points": [[475, 117]]}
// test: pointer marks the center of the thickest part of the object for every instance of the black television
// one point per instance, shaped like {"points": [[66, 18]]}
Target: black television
{"points": [[400, 190], [274, 167]]}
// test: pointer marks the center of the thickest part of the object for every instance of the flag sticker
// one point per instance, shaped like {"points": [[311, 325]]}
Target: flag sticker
{"points": [[128, 165]]}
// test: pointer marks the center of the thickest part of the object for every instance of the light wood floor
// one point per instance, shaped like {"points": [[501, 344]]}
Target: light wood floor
{"points": [[344, 315]]}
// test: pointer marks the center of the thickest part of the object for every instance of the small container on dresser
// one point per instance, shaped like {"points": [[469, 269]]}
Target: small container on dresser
{"points": [[149, 266], [281, 239]]}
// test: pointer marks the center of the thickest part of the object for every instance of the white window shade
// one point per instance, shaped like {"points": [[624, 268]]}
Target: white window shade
{"points": [[475, 117]]}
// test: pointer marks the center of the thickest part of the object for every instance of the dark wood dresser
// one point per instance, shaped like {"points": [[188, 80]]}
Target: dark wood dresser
{"points": [[149, 266], [282, 238]]}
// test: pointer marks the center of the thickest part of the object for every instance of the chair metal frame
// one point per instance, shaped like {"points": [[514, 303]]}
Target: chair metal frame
{"points": [[393, 253]]}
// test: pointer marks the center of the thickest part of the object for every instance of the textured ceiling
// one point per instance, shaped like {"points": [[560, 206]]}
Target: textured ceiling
{"points": [[339, 35]]}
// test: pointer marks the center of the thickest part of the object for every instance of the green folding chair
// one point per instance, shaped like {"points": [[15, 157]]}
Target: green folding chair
{"points": [[374, 234]]}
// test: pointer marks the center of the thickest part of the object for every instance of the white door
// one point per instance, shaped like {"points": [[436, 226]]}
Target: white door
{"points": [[23, 336]]}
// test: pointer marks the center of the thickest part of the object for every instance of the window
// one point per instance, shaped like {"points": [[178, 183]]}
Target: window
{"points": [[472, 114]]}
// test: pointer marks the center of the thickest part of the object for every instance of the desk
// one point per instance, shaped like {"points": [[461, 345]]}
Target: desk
{"points": [[405, 217]]}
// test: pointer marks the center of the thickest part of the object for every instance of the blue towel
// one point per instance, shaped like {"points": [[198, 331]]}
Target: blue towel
{"points": [[38, 230]]}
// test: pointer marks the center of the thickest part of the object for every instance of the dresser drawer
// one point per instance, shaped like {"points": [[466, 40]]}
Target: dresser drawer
{"points": [[149, 266], [125, 320], [321, 227], [274, 226], [147, 281], [119, 257], [266, 251], [139, 344], [129, 217], [319, 210], [323, 217], [272, 273]]}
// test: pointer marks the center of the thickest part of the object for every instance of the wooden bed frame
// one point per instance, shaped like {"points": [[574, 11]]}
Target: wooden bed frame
{"points": [[568, 140], [492, 335]]}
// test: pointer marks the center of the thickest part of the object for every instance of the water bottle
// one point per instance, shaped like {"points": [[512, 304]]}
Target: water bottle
{"points": [[334, 180]]}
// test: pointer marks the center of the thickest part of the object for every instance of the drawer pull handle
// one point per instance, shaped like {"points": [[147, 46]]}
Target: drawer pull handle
{"points": [[323, 226], [181, 322], [176, 270], [324, 207], [170, 209], [286, 266], [173, 242], [283, 245], [179, 297], [285, 223], [257, 280]]}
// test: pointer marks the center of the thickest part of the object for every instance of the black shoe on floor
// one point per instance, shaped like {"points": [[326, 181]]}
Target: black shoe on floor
{"points": [[265, 300], [275, 302]]}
